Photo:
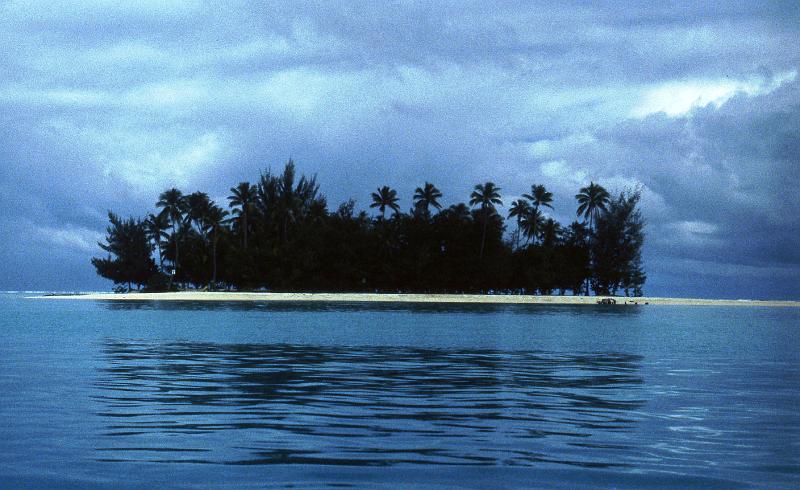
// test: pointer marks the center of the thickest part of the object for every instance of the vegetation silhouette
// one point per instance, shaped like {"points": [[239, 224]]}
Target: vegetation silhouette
{"points": [[242, 200], [486, 196], [127, 241], [425, 197], [519, 209], [385, 198], [279, 235]]}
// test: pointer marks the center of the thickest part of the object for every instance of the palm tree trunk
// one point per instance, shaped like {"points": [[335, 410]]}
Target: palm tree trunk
{"points": [[214, 260], [589, 238], [244, 227], [483, 236], [174, 269], [177, 248]]}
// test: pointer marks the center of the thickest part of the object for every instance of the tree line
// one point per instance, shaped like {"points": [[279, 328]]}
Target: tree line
{"points": [[278, 234]]}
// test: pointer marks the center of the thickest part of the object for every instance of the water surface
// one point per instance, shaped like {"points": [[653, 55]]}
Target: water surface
{"points": [[240, 395]]}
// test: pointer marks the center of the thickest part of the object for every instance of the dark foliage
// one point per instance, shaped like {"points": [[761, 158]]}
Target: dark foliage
{"points": [[281, 236], [617, 247], [129, 253]]}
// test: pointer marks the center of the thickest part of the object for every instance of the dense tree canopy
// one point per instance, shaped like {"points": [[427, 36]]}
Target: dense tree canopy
{"points": [[280, 235], [129, 253], [617, 247]]}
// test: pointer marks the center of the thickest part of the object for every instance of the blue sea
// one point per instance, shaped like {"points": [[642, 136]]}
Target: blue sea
{"points": [[270, 395]]}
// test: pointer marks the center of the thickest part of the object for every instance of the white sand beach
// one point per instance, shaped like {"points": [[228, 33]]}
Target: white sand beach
{"points": [[413, 298]]}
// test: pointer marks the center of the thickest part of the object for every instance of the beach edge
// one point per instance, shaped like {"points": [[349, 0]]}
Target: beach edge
{"points": [[413, 298]]}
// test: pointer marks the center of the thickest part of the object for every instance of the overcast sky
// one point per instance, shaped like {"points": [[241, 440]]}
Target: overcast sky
{"points": [[104, 104]]}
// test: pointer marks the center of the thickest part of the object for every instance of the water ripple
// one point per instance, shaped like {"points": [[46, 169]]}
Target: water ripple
{"points": [[251, 404]]}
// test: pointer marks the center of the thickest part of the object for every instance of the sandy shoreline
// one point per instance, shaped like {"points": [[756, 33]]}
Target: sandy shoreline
{"points": [[412, 298]]}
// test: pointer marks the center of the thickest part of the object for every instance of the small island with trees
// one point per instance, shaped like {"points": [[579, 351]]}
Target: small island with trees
{"points": [[279, 235]]}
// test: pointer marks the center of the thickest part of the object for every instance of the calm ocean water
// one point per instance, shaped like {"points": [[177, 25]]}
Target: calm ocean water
{"points": [[235, 395]]}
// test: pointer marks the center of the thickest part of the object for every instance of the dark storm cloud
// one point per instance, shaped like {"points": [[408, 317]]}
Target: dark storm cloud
{"points": [[733, 168], [104, 104]]}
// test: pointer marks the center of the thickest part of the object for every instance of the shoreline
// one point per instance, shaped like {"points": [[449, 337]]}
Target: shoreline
{"points": [[414, 298]]}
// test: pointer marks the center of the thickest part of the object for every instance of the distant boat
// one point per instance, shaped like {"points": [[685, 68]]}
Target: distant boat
{"points": [[607, 301]]}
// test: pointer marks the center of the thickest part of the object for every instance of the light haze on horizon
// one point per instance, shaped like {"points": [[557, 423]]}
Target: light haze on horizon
{"points": [[106, 104]]}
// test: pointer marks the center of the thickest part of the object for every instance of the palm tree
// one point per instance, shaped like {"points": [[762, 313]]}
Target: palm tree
{"points": [[212, 222], [486, 195], [531, 223], [519, 209], [197, 206], [242, 199], [174, 204], [385, 198], [157, 226], [550, 232], [427, 196], [539, 196], [591, 200]]}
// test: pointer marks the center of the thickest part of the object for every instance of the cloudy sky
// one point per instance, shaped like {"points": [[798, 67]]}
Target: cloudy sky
{"points": [[104, 104]]}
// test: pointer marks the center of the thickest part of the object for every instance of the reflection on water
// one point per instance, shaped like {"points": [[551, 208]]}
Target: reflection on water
{"points": [[355, 306], [266, 404]]}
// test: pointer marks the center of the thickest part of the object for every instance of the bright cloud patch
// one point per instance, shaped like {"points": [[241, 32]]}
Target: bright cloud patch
{"points": [[546, 148], [161, 166], [70, 237], [694, 233], [677, 98], [559, 172]]}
